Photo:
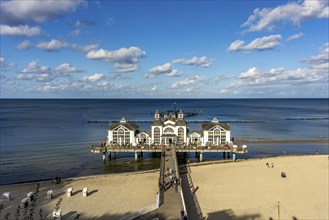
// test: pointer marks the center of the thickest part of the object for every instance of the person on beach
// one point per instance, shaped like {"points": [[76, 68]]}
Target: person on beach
{"points": [[272, 165], [267, 165]]}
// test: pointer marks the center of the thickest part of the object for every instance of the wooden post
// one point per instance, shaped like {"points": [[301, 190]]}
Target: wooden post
{"points": [[228, 155], [136, 156], [224, 155], [279, 210], [109, 155]]}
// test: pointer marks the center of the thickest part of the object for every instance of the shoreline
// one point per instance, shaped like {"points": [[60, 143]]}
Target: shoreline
{"points": [[269, 141], [191, 164]]}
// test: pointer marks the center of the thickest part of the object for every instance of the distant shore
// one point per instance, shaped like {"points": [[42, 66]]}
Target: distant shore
{"points": [[267, 141]]}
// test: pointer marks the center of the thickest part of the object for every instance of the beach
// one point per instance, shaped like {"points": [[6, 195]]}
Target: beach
{"points": [[111, 196], [245, 189], [251, 190]]}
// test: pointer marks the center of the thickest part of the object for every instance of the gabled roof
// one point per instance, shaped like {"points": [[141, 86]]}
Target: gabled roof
{"points": [[213, 123], [193, 131], [181, 122], [157, 122], [128, 125]]}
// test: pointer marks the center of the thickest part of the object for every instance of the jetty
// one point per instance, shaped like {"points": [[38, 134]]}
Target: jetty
{"points": [[169, 135]]}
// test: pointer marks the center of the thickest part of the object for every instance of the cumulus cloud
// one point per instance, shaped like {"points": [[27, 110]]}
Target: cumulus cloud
{"points": [[125, 68], [154, 88], [84, 48], [2, 59], [260, 44], [195, 61], [163, 69], [53, 45], [194, 81], [294, 12], [129, 55], [37, 73], [320, 61], [21, 30], [66, 68], [295, 36], [56, 45], [94, 78], [17, 12], [24, 45]]}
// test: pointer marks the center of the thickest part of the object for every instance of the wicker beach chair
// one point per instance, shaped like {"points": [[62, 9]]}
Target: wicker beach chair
{"points": [[69, 192], [85, 192], [6, 196], [49, 194], [57, 215]]}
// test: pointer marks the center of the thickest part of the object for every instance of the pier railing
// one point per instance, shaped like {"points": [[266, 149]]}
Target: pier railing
{"points": [[158, 148]]}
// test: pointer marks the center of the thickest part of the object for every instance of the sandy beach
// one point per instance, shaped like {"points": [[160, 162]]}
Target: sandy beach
{"points": [[111, 197], [246, 189], [251, 190]]}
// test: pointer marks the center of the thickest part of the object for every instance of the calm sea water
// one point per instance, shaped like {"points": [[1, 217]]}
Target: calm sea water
{"points": [[41, 139]]}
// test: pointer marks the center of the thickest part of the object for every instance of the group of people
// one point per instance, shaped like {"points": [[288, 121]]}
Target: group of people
{"points": [[268, 165], [56, 180]]}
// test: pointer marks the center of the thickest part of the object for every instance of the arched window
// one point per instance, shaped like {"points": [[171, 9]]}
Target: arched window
{"points": [[121, 136], [216, 139], [156, 133], [180, 135], [168, 130]]}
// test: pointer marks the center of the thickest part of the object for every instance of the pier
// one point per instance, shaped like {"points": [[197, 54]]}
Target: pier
{"points": [[227, 150], [176, 196]]}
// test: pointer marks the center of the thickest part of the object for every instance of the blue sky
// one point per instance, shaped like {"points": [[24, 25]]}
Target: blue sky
{"points": [[164, 49]]}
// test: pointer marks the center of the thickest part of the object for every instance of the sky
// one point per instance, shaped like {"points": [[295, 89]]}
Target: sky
{"points": [[164, 49]]}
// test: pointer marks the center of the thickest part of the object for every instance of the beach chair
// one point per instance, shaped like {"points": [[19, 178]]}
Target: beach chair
{"points": [[30, 196], [57, 215], [69, 192], [49, 194], [85, 192], [24, 203], [6, 196]]}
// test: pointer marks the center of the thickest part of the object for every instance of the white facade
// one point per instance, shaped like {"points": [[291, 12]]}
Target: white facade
{"points": [[167, 130]]}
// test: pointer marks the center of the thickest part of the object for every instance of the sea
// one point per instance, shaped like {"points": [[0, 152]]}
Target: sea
{"points": [[44, 138]]}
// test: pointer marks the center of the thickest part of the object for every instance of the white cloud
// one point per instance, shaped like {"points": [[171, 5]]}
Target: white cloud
{"points": [[44, 77], [163, 69], [66, 68], [194, 81], [21, 30], [2, 59], [320, 61], [125, 68], [294, 12], [154, 88], [85, 48], [21, 12], [123, 55], [37, 73], [260, 44], [33, 67], [53, 45], [24, 45], [94, 78], [56, 45], [196, 61], [295, 36]]}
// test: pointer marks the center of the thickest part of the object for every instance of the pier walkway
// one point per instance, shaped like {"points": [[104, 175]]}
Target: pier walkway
{"points": [[172, 206]]}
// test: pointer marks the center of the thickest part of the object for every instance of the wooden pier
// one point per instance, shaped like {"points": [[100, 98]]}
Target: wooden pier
{"points": [[199, 150]]}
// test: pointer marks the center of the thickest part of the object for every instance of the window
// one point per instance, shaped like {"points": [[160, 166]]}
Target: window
{"points": [[121, 136], [156, 133], [180, 135], [168, 130]]}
